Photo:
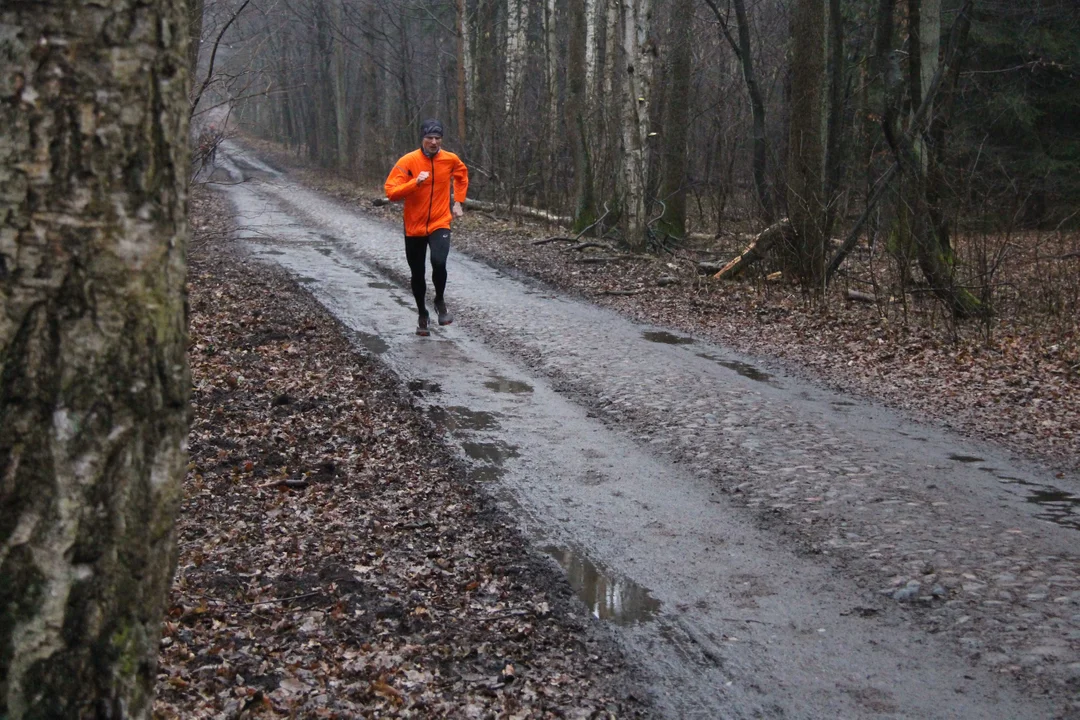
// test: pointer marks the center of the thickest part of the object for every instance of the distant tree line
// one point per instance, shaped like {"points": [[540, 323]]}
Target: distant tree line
{"points": [[646, 119]]}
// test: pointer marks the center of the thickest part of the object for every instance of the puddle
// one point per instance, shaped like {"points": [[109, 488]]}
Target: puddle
{"points": [[381, 285], [459, 417], [325, 251], [966, 458], [271, 252], [662, 336], [501, 384], [621, 601], [493, 453], [1056, 506], [372, 343], [745, 369]]}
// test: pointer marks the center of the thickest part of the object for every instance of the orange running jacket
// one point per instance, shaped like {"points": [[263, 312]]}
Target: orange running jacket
{"points": [[427, 206]]}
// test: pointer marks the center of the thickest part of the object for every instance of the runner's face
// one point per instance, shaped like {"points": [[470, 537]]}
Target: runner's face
{"points": [[432, 143]]}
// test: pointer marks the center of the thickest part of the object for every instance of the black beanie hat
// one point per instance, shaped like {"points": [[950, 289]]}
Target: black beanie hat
{"points": [[431, 127]]}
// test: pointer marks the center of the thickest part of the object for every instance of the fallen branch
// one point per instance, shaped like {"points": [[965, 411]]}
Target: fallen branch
{"points": [[757, 249], [622, 292], [598, 259], [545, 241], [589, 244], [860, 296], [489, 207]]}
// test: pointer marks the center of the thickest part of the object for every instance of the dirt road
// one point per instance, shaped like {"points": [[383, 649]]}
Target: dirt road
{"points": [[759, 546]]}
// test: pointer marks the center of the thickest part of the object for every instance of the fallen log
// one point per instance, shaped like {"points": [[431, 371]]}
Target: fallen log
{"points": [[860, 296], [757, 249], [490, 207]]}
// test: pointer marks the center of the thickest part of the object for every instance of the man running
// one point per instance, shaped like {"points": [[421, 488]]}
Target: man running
{"points": [[423, 179]]}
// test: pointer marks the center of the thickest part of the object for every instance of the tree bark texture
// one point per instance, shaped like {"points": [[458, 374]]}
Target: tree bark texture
{"points": [[95, 387], [577, 112], [675, 127], [638, 52], [807, 141]]}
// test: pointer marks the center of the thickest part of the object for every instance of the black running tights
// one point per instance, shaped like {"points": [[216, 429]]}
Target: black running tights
{"points": [[416, 252]]}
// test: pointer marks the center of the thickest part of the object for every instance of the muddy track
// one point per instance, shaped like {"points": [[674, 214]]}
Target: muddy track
{"points": [[761, 546]]}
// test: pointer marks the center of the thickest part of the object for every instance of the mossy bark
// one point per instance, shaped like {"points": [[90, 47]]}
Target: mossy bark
{"points": [[94, 391]]}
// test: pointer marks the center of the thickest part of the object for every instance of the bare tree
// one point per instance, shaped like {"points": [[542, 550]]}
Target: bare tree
{"points": [[675, 127], [807, 137], [94, 399]]}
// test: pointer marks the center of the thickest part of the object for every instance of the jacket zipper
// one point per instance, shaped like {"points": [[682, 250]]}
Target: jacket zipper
{"points": [[431, 200]]}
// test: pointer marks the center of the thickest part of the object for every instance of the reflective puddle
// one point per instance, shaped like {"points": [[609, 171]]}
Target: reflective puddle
{"points": [[965, 458], [745, 369], [325, 251], [462, 418], [619, 600], [503, 385], [661, 336], [1056, 506]]}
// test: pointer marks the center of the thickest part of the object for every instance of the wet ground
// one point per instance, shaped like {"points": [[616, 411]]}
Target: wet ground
{"points": [[760, 546]]}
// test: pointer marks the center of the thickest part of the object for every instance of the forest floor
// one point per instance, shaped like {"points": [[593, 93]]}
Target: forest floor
{"points": [[386, 585], [1013, 379], [403, 592]]}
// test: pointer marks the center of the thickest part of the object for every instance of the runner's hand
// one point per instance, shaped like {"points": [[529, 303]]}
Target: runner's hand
{"points": [[457, 211], [422, 177]]}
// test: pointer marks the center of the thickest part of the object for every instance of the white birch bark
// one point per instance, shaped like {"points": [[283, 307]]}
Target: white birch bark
{"points": [[636, 85], [551, 52], [591, 48], [517, 22]]}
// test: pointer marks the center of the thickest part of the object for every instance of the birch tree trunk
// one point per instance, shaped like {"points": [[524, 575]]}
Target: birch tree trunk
{"points": [[638, 55], [464, 75], [807, 138], [94, 399], [517, 23], [591, 47]]}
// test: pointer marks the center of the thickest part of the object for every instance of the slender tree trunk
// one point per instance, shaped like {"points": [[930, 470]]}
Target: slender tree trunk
{"points": [[834, 151], [195, 24], [807, 141], [743, 49], [675, 126], [591, 47], [517, 21], [638, 55], [576, 114], [95, 388], [464, 72], [341, 112]]}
